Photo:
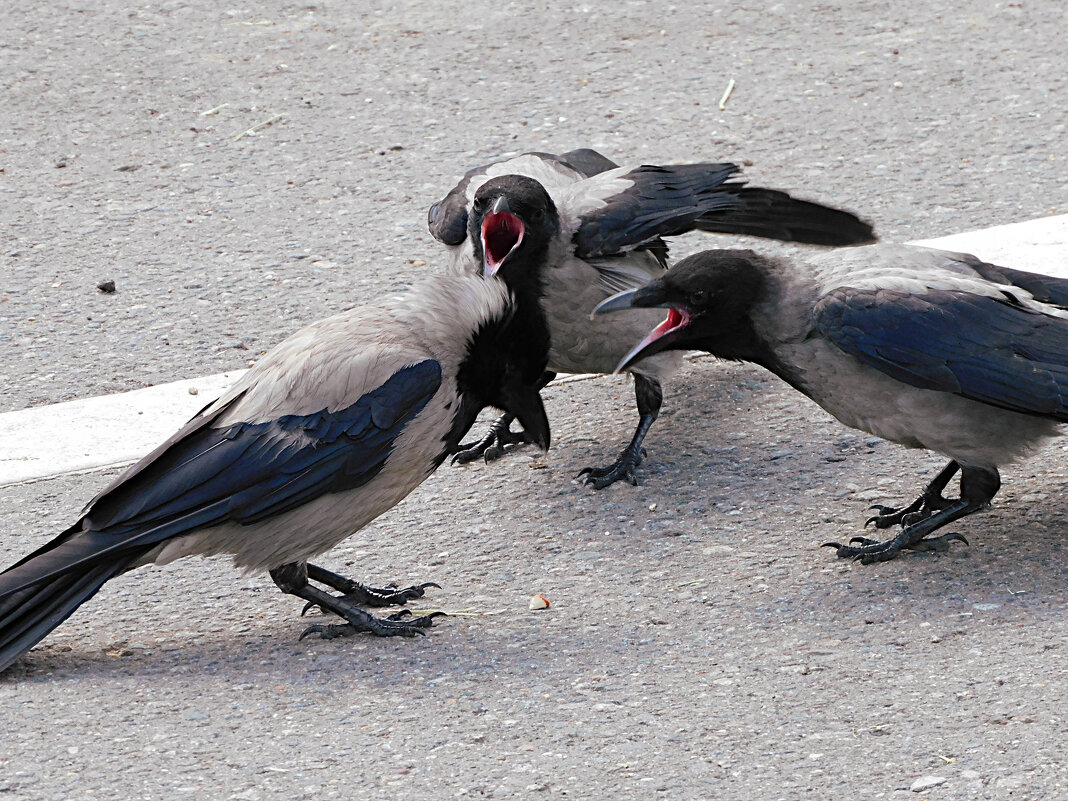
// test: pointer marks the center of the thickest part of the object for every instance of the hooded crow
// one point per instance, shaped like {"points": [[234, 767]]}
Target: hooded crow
{"points": [[330, 429], [922, 347], [604, 226]]}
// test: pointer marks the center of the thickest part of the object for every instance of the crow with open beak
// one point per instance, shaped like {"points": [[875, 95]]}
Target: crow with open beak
{"points": [[922, 347], [327, 431], [600, 228]]}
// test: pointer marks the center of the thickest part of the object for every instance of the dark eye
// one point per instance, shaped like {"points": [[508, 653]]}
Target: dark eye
{"points": [[478, 205], [537, 215], [698, 297]]}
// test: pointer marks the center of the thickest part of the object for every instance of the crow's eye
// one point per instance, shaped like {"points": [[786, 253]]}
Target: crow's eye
{"points": [[537, 215], [698, 297], [478, 205]]}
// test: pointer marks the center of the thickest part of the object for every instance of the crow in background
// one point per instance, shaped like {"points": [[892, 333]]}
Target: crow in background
{"points": [[607, 227]]}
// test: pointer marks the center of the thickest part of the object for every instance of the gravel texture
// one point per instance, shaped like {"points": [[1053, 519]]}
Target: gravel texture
{"points": [[698, 644]]}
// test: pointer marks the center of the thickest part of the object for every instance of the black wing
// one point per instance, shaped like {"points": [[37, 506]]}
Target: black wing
{"points": [[1044, 288], [983, 348], [667, 201], [243, 473]]}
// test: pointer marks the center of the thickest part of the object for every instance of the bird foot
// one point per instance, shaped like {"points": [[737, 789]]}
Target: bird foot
{"points": [[392, 626], [359, 595], [867, 551], [920, 509], [492, 446], [623, 467]]}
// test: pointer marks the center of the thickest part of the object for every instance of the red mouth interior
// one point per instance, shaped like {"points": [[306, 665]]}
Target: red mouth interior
{"points": [[501, 234], [675, 319]]}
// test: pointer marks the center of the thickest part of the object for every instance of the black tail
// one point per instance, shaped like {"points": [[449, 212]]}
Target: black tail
{"points": [[30, 609], [772, 214]]}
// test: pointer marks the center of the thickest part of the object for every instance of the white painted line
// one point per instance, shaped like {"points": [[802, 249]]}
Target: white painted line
{"points": [[1037, 246], [92, 433], [114, 430]]}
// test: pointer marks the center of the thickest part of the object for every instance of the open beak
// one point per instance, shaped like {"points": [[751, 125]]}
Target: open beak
{"points": [[657, 340], [502, 233]]}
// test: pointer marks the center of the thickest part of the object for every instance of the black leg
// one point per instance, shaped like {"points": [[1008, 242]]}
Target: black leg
{"points": [[492, 446], [362, 595], [929, 502], [293, 580], [978, 487], [650, 397]]}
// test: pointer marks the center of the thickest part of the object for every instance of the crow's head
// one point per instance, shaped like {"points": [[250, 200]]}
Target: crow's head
{"points": [[512, 223], [709, 298]]}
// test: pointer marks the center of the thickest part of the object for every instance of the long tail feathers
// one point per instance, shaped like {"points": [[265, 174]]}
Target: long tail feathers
{"points": [[29, 614]]}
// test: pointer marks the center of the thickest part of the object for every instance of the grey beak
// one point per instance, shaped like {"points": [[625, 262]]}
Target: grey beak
{"points": [[644, 297], [621, 300], [499, 205]]}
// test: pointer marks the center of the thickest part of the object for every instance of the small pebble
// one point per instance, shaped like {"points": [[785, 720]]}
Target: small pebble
{"points": [[538, 602], [926, 783], [106, 287], [194, 391]]}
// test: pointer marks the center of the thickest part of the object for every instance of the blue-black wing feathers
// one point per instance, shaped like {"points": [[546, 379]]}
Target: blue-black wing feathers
{"points": [[984, 348], [670, 200], [242, 473]]}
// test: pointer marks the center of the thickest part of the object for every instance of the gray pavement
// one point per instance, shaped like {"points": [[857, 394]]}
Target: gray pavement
{"points": [[699, 643]]}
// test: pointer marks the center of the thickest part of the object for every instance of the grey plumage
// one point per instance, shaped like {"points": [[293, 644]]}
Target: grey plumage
{"points": [[608, 224], [331, 428], [926, 348]]}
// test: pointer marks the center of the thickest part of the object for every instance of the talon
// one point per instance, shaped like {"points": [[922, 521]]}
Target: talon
{"points": [[308, 606], [493, 453], [863, 541], [328, 632], [399, 615]]}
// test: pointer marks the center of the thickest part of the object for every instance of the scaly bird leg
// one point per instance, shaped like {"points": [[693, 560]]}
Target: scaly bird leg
{"points": [[492, 446], [362, 595], [293, 578], [977, 488], [650, 397], [929, 502]]}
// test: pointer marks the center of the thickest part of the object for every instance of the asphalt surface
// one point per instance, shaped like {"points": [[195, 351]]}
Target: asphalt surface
{"points": [[699, 644]]}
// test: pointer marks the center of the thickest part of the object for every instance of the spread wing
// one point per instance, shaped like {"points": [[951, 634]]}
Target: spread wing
{"points": [[620, 211]]}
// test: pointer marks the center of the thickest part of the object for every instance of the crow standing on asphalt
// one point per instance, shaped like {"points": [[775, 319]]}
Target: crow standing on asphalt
{"points": [[605, 225], [329, 430], [922, 347]]}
